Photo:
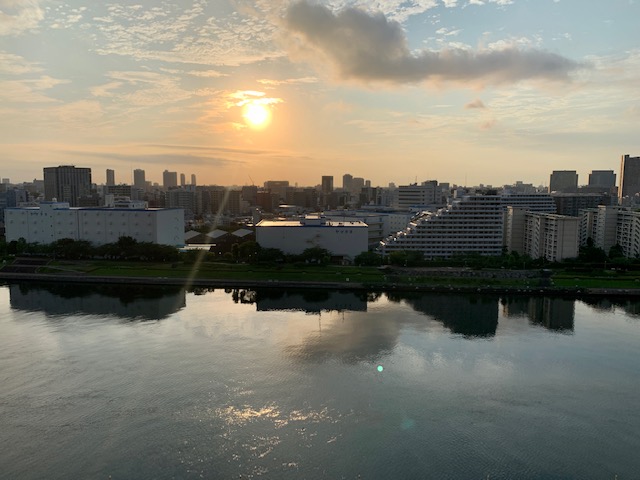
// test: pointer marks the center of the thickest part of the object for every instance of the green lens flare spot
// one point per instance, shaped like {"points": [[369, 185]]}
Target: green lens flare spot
{"points": [[380, 368]]}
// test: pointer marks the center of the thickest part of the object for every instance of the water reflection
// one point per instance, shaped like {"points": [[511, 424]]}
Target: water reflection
{"points": [[610, 304], [130, 302], [557, 314], [467, 315], [311, 301]]}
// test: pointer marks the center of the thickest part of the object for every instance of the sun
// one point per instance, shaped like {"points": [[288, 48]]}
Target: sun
{"points": [[256, 115]]}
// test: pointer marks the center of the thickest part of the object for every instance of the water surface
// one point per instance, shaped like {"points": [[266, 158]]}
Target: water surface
{"points": [[163, 383]]}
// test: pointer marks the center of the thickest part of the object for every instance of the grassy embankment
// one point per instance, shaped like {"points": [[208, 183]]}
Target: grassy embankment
{"points": [[605, 279]]}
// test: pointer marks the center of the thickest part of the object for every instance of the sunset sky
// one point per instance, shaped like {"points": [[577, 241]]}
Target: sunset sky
{"points": [[240, 92]]}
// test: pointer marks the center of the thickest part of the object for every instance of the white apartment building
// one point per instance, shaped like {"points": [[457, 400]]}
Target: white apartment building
{"points": [[53, 221], [608, 226], [342, 238], [471, 224], [550, 236]]}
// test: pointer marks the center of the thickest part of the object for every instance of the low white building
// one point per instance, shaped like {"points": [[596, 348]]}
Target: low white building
{"points": [[53, 221], [341, 238]]}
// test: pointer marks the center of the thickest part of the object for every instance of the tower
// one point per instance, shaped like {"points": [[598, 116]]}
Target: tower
{"points": [[629, 177]]}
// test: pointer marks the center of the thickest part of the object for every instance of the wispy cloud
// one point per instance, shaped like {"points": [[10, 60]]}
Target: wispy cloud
{"points": [[19, 16], [477, 103], [371, 48]]}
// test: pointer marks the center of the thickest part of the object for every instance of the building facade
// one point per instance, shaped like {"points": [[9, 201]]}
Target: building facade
{"points": [[53, 221], [471, 224], [67, 183], [629, 177], [563, 181], [345, 239]]}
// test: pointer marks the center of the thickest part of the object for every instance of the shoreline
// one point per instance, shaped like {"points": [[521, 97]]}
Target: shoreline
{"points": [[575, 292]]}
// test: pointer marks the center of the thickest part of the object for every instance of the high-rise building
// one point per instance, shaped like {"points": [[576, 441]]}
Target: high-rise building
{"points": [[357, 184], [602, 178], [111, 177], [193, 179], [629, 176], [327, 184], [563, 181], [139, 180], [183, 179], [67, 183], [346, 182], [169, 179], [471, 224]]}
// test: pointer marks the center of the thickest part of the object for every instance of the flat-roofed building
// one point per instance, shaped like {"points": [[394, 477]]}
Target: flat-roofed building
{"points": [[342, 238], [53, 221], [67, 183]]}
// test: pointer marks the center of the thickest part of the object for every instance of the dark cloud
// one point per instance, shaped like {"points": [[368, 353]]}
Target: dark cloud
{"points": [[475, 104], [368, 47]]}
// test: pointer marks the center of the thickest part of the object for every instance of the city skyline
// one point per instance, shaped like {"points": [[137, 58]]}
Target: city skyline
{"points": [[469, 92]]}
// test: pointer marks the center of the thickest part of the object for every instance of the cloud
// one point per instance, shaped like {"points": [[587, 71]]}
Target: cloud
{"points": [[18, 16], [477, 103], [370, 48]]}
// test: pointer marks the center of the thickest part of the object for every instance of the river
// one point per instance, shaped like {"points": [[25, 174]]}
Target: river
{"points": [[148, 382]]}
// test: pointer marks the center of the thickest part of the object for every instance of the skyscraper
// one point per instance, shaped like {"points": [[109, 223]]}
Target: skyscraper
{"points": [[169, 179], [111, 177], [327, 184], [563, 181], [139, 180], [346, 181], [66, 183], [193, 179], [629, 176], [183, 179], [602, 178]]}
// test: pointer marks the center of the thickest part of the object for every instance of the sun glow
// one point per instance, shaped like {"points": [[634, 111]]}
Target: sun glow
{"points": [[256, 114]]}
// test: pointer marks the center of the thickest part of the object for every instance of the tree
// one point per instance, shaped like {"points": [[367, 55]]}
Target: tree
{"points": [[371, 259], [248, 251], [318, 255]]}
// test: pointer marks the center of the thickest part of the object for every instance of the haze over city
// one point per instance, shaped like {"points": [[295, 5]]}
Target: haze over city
{"points": [[236, 92]]}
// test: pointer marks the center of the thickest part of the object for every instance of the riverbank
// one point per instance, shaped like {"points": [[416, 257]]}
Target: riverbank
{"points": [[441, 286]]}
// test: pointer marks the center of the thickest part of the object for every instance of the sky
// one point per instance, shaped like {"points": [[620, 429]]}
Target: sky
{"points": [[240, 92]]}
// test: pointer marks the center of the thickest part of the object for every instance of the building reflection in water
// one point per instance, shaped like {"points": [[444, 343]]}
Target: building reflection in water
{"points": [[555, 314], [124, 301], [630, 307], [311, 301], [467, 315]]}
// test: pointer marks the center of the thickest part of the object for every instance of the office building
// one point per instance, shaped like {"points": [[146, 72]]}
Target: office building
{"points": [[53, 221], [169, 179], [563, 181], [183, 180], [347, 180], [629, 177], [327, 184], [418, 197], [470, 224], [67, 183], [193, 179], [605, 179], [139, 180], [111, 177]]}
